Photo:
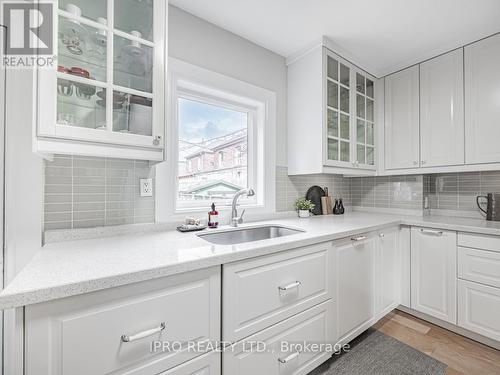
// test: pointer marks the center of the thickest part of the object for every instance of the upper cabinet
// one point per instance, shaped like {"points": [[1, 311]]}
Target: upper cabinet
{"points": [[402, 119], [442, 110], [108, 93], [482, 101], [331, 115]]}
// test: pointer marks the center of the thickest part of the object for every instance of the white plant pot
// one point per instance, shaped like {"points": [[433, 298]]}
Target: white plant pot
{"points": [[304, 213]]}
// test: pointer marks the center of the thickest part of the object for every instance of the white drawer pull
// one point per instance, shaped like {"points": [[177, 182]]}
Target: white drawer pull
{"points": [[432, 232], [358, 238], [141, 335], [289, 358], [290, 286]]}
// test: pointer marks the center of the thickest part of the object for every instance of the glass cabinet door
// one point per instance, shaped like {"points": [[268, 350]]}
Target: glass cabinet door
{"points": [[105, 82], [338, 118], [365, 121]]}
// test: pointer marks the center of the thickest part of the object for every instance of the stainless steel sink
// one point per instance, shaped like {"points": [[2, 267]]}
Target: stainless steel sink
{"points": [[250, 234]]}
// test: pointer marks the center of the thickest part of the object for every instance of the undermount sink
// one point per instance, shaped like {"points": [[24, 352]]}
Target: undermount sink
{"points": [[249, 234]]}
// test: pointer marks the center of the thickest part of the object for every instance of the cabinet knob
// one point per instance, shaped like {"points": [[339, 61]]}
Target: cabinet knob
{"points": [[415, 163], [156, 140], [422, 162]]}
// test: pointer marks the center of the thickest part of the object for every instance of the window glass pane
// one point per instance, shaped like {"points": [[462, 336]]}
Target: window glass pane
{"points": [[344, 75], [370, 156], [213, 151], [369, 88], [344, 99], [132, 114], [333, 95], [369, 110], [133, 64], [332, 68], [360, 154], [91, 9], [360, 106], [370, 134], [132, 16], [344, 151], [333, 123], [360, 131], [333, 149], [344, 126], [360, 83]]}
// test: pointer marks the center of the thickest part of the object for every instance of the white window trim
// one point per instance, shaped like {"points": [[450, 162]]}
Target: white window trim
{"points": [[262, 105]]}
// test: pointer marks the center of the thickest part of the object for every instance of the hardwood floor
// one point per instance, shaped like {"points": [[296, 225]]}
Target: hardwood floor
{"points": [[462, 355]]}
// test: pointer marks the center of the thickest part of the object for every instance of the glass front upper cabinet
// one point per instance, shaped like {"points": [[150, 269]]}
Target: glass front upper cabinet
{"points": [[365, 120], [110, 73]]}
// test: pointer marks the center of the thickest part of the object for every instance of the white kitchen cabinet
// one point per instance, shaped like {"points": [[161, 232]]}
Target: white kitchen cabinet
{"points": [[405, 266], [355, 273], [111, 331], [331, 115], [442, 110], [434, 273], [387, 271], [482, 109], [401, 131], [207, 364], [107, 96]]}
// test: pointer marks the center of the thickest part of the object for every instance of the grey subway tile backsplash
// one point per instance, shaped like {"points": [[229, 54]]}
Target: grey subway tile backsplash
{"points": [[84, 192]]}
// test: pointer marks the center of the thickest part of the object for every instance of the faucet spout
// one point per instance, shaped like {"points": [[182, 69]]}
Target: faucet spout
{"points": [[235, 220]]}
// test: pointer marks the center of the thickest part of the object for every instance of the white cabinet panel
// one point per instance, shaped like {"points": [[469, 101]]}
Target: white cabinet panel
{"points": [[207, 364], [265, 290], [405, 266], [315, 325], [433, 273], [402, 119], [479, 241], [442, 110], [479, 309], [388, 271], [355, 284], [479, 265], [482, 108]]}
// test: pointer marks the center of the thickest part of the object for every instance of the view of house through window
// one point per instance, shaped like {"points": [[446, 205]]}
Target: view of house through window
{"points": [[213, 150]]}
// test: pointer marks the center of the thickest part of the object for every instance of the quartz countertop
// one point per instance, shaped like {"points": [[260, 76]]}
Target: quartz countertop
{"points": [[70, 268]]}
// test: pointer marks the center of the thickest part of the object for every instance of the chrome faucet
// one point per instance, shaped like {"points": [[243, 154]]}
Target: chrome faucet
{"points": [[235, 219]]}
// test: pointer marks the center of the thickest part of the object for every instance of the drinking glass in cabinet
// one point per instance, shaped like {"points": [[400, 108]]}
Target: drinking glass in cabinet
{"points": [[92, 10], [80, 104], [135, 15], [82, 48], [333, 123], [133, 65], [132, 114]]}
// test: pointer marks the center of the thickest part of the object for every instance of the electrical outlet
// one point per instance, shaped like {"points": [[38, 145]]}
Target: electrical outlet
{"points": [[146, 185]]}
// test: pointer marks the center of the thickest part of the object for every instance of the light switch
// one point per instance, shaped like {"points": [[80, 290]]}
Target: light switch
{"points": [[146, 185]]}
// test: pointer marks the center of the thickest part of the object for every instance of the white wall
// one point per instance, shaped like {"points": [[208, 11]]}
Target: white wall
{"points": [[201, 43]]}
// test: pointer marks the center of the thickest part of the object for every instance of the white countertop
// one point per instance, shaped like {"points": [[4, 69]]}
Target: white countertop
{"points": [[75, 267]]}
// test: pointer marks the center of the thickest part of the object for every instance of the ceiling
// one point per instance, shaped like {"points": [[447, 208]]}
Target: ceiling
{"points": [[380, 36]]}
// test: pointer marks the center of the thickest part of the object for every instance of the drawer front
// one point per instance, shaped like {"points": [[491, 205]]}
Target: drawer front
{"points": [[207, 364], [263, 291], [272, 353], [83, 334], [479, 241], [479, 309], [479, 265]]}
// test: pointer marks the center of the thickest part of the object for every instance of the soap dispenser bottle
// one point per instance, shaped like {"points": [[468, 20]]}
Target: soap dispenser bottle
{"points": [[213, 218]]}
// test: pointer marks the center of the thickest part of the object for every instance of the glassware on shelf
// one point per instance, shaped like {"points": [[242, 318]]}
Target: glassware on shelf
{"points": [[135, 116], [99, 39], [72, 34], [133, 65]]}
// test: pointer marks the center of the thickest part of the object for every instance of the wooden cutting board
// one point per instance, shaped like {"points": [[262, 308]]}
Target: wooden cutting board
{"points": [[327, 203]]}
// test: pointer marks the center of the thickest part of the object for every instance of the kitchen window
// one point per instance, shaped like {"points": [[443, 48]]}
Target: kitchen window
{"points": [[228, 126]]}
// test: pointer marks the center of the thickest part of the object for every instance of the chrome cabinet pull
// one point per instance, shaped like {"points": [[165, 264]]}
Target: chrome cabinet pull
{"points": [[143, 334], [289, 358], [156, 140], [290, 286], [358, 238], [432, 232], [381, 235], [415, 162]]}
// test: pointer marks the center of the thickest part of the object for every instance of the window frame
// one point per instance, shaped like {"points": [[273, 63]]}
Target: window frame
{"points": [[191, 82]]}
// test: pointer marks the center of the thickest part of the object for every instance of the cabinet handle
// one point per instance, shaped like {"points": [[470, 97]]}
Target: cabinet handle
{"points": [[358, 238], [156, 140], [290, 286], [381, 235], [415, 163], [289, 358], [143, 334], [423, 162], [438, 233]]}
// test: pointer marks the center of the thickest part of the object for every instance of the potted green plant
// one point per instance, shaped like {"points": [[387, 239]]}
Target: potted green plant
{"points": [[304, 207]]}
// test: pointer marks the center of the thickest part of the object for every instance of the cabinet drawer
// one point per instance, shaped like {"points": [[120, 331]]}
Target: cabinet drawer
{"points": [[479, 309], [207, 364], [479, 241], [263, 291], [83, 334], [273, 357], [479, 265]]}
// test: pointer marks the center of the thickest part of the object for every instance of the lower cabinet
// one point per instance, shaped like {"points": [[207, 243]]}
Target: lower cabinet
{"points": [[207, 364], [354, 269], [280, 349], [434, 273], [112, 331], [387, 271]]}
